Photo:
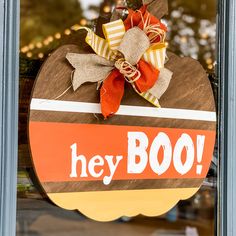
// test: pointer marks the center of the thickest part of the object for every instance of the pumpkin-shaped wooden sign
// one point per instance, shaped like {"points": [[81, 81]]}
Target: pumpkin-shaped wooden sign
{"points": [[141, 159]]}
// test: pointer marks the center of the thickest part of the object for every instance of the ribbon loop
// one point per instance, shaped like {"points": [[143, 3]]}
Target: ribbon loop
{"points": [[156, 55], [130, 72], [136, 55], [133, 45], [98, 44], [114, 32], [162, 84]]}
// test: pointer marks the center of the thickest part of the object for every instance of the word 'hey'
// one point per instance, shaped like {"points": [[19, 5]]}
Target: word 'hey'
{"points": [[139, 154]]}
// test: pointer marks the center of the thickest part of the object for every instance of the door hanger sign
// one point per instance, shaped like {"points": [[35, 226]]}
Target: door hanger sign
{"points": [[122, 130]]}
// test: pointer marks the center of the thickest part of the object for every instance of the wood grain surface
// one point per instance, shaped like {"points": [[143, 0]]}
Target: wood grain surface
{"points": [[189, 89], [60, 187], [158, 8]]}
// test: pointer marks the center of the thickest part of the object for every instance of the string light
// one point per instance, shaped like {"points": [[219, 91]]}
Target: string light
{"points": [[29, 54], [57, 35], [50, 39], [107, 9], [67, 32], [204, 35], [76, 27], [209, 61], [25, 49], [83, 22], [40, 55], [45, 42], [210, 67], [183, 39], [39, 45], [31, 46]]}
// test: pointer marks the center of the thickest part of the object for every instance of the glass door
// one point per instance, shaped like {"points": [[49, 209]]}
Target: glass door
{"points": [[48, 24]]}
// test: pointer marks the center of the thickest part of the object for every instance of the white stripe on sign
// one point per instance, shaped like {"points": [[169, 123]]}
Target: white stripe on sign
{"points": [[85, 107]]}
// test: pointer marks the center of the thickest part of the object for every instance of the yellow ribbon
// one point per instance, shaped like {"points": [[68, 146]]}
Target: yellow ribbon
{"points": [[107, 48]]}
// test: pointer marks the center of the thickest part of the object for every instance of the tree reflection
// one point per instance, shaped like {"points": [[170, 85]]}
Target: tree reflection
{"points": [[192, 30], [40, 19], [45, 24]]}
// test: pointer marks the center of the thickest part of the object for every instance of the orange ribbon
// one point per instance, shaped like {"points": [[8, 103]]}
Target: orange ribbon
{"points": [[112, 89]]}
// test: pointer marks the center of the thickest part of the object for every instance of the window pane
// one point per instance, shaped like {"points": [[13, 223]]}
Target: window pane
{"points": [[46, 25]]}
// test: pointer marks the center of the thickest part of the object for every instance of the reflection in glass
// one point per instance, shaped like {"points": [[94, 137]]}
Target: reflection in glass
{"points": [[47, 24]]}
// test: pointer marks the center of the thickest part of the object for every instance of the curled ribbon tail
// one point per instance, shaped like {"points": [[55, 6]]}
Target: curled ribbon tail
{"points": [[149, 76], [134, 17], [154, 94], [132, 51], [111, 93], [162, 83]]}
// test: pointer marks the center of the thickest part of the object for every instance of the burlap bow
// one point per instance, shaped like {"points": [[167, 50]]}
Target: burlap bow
{"points": [[134, 51]]}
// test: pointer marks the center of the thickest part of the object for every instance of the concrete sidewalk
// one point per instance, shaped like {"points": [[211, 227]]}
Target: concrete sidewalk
{"points": [[37, 217]]}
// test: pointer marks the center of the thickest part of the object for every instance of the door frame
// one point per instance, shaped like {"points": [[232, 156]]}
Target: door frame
{"points": [[9, 80], [9, 90], [226, 69]]}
